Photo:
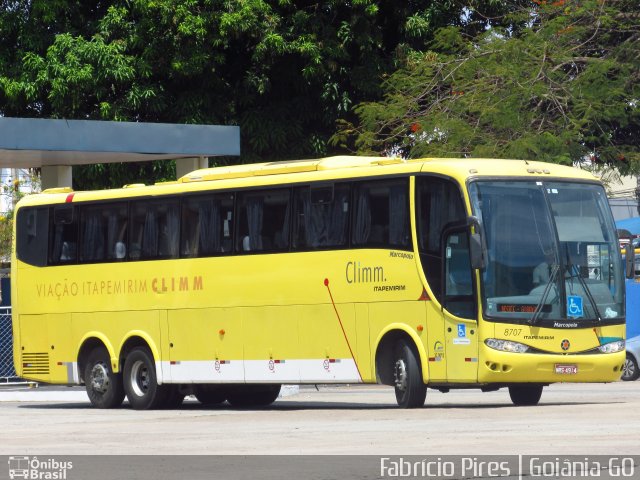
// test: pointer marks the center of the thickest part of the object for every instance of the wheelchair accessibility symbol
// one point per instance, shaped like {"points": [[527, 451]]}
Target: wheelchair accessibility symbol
{"points": [[462, 331], [574, 306]]}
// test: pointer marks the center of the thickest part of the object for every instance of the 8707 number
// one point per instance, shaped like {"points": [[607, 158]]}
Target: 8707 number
{"points": [[512, 332]]}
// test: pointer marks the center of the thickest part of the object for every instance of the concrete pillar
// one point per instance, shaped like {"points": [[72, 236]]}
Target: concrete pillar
{"points": [[188, 165], [56, 176]]}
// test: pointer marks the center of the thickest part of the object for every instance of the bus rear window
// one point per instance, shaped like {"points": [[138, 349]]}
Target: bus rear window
{"points": [[32, 235]]}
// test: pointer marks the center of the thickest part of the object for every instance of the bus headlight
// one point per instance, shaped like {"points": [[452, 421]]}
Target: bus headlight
{"points": [[612, 347], [506, 345]]}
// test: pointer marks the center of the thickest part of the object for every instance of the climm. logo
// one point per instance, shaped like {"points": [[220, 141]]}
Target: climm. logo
{"points": [[355, 272], [175, 284]]}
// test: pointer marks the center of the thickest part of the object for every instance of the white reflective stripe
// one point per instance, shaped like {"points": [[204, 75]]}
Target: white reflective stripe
{"points": [[160, 377], [76, 373], [73, 376], [338, 370], [272, 371], [209, 371], [342, 370]]}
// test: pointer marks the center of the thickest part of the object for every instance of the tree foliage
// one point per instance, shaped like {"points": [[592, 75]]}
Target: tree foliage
{"points": [[565, 88], [282, 70], [12, 193]]}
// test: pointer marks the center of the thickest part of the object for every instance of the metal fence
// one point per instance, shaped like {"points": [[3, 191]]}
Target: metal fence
{"points": [[7, 371]]}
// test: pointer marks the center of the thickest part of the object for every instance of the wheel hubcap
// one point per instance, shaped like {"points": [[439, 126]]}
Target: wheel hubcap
{"points": [[400, 374], [628, 370], [140, 379], [99, 378]]}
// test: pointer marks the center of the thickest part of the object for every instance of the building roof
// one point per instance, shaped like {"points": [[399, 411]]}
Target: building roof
{"points": [[35, 142]]}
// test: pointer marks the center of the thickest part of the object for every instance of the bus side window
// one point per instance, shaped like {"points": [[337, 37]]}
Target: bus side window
{"points": [[117, 222], [321, 216], [155, 229], [206, 225], [64, 240], [103, 230], [32, 235], [93, 233], [264, 219], [382, 214]]}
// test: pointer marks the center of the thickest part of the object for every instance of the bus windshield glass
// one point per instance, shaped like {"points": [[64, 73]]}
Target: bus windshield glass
{"points": [[552, 253]]}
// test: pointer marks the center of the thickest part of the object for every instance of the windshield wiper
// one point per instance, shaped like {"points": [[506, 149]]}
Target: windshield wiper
{"points": [[538, 310]]}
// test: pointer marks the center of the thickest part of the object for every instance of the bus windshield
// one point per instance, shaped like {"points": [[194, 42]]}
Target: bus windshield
{"points": [[552, 257]]}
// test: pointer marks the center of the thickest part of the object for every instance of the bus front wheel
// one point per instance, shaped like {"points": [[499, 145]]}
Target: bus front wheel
{"points": [[140, 381], [525, 395], [410, 389], [104, 388]]}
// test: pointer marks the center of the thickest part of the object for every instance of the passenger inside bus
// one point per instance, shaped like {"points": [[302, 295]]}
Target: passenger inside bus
{"points": [[120, 251], [67, 252]]}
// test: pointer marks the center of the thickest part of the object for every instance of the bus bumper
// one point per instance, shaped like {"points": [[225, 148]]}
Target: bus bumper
{"points": [[505, 367]]}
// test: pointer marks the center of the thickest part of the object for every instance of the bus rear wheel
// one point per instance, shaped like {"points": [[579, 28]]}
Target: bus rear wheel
{"points": [[140, 381], [104, 388], [253, 395], [525, 395], [210, 394], [410, 389]]}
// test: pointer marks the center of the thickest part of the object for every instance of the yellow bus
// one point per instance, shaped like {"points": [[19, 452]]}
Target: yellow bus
{"points": [[430, 273]]}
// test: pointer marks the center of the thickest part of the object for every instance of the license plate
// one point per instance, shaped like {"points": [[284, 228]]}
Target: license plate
{"points": [[566, 369]]}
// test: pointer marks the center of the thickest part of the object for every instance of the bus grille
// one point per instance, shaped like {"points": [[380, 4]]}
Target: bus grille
{"points": [[35, 363]]}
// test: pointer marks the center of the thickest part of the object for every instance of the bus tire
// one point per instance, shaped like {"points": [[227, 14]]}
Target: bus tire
{"points": [[140, 381], [525, 395], [409, 387], [210, 394], [104, 388], [254, 396]]}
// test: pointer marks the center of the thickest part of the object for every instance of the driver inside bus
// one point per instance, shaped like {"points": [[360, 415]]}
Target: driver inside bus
{"points": [[542, 273]]}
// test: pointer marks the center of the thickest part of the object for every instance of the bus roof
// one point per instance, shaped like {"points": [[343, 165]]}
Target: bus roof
{"points": [[467, 167], [323, 169]]}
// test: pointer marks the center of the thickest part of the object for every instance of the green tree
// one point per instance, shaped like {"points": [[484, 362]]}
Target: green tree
{"points": [[564, 89], [282, 70], [12, 193]]}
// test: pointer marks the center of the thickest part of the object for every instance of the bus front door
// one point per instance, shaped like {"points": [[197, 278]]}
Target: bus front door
{"points": [[459, 309]]}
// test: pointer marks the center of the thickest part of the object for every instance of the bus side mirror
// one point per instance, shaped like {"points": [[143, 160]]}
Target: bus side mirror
{"points": [[477, 247], [477, 254], [629, 260]]}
